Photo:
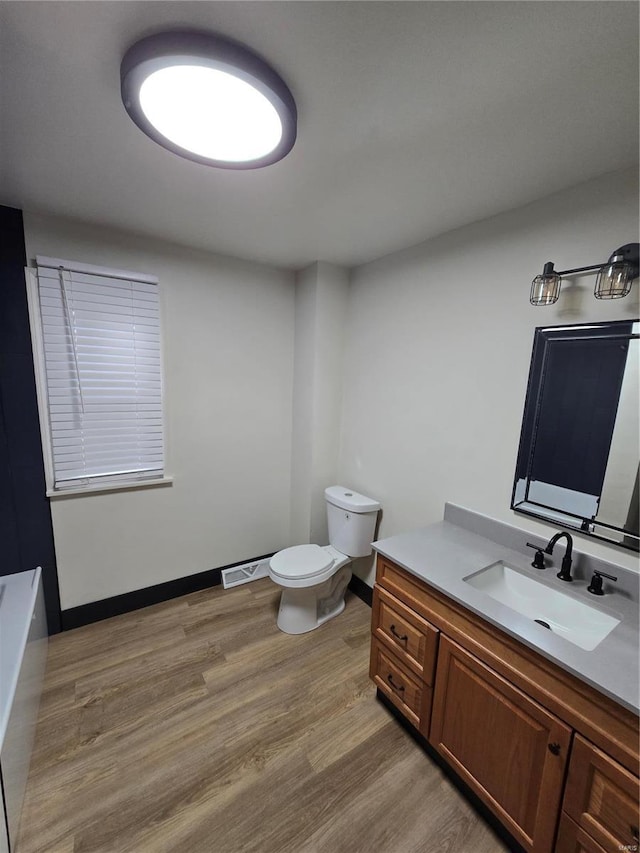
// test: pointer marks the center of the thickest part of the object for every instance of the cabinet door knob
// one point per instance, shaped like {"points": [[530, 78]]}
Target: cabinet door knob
{"points": [[398, 687], [402, 638], [554, 748]]}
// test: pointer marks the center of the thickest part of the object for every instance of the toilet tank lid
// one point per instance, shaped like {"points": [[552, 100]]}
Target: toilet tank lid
{"points": [[349, 500]]}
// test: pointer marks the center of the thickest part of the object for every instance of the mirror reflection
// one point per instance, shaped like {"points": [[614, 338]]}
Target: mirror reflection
{"points": [[579, 457]]}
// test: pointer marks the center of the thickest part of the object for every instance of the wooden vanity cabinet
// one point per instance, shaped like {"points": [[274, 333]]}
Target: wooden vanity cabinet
{"points": [[511, 724]]}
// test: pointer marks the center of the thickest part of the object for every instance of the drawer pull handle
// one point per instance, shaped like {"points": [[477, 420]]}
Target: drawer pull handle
{"points": [[635, 834], [401, 638], [398, 687], [554, 748]]}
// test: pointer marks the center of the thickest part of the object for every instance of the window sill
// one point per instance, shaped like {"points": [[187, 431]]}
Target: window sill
{"points": [[55, 494]]}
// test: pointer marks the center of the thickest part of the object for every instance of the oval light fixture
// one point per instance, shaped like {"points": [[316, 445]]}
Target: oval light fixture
{"points": [[209, 99]]}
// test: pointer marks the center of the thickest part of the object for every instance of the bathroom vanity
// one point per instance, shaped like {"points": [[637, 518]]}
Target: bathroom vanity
{"points": [[543, 730]]}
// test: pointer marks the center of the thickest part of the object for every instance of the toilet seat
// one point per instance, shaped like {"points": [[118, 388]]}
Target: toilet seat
{"points": [[301, 562]]}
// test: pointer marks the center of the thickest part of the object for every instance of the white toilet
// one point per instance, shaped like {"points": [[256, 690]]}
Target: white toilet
{"points": [[314, 579]]}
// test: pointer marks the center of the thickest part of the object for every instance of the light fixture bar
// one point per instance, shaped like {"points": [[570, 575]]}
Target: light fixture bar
{"points": [[614, 280], [580, 269]]}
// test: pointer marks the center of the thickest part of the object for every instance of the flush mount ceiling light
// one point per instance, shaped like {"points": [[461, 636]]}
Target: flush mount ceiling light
{"points": [[209, 99], [613, 281]]}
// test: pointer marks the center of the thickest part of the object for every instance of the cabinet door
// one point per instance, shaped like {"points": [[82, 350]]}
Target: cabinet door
{"points": [[602, 797], [508, 749]]}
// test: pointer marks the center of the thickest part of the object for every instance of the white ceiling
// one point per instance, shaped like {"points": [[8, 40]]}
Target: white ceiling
{"points": [[414, 118]]}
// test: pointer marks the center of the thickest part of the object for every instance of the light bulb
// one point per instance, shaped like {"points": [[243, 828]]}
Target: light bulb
{"points": [[614, 279], [210, 113], [545, 288]]}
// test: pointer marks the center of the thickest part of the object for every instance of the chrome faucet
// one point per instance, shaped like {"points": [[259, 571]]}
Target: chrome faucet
{"points": [[565, 572]]}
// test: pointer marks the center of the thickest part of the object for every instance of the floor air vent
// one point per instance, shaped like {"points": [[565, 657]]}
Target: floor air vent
{"points": [[245, 573]]}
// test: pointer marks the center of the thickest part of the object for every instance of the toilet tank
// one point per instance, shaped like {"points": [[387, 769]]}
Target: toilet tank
{"points": [[352, 520]]}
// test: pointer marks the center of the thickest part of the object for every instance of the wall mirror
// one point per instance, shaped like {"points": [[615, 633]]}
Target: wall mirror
{"points": [[579, 453]]}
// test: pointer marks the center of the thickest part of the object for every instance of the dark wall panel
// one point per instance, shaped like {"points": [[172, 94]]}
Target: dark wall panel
{"points": [[9, 548], [26, 533]]}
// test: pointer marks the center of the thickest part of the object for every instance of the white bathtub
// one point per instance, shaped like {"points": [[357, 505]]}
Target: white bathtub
{"points": [[23, 655]]}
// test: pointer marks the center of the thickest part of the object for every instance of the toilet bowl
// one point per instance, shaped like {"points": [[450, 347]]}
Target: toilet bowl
{"points": [[314, 578]]}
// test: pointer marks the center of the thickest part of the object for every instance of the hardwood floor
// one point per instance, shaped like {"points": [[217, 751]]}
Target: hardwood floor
{"points": [[195, 726]]}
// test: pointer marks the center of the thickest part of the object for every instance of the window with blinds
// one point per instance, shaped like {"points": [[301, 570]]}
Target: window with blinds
{"points": [[100, 344]]}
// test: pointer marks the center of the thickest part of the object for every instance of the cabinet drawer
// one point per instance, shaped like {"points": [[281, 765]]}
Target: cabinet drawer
{"points": [[572, 839], [602, 797], [412, 639], [400, 584], [408, 694]]}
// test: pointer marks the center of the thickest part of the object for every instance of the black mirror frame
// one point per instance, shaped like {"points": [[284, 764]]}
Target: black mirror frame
{"points": [[543, 335]]}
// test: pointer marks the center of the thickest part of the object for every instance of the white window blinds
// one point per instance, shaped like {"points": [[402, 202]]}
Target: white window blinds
{"points": [[101, 345]]}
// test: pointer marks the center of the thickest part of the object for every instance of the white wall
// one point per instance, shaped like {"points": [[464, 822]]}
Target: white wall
{"points": [[321, 305], [620, 477], [406, 384], [438, 347], [228, 331]]}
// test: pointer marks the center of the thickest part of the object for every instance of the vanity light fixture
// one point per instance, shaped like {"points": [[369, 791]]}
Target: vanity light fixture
{"points": [[613, 281], [209, 99]]}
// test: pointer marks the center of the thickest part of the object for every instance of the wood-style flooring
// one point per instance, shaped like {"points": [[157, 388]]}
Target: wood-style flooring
{"points": [[196, 726]]}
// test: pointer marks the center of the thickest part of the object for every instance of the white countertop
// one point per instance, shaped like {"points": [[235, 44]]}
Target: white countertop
{"points": [[17, 600], [443, 554]]}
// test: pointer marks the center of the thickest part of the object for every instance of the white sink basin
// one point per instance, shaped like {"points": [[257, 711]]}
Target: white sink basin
{"points": [[564, 615]]}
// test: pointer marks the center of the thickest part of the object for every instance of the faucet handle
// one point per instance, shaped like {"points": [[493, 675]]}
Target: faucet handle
{"points": [[538, 560], [595, 587]]}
